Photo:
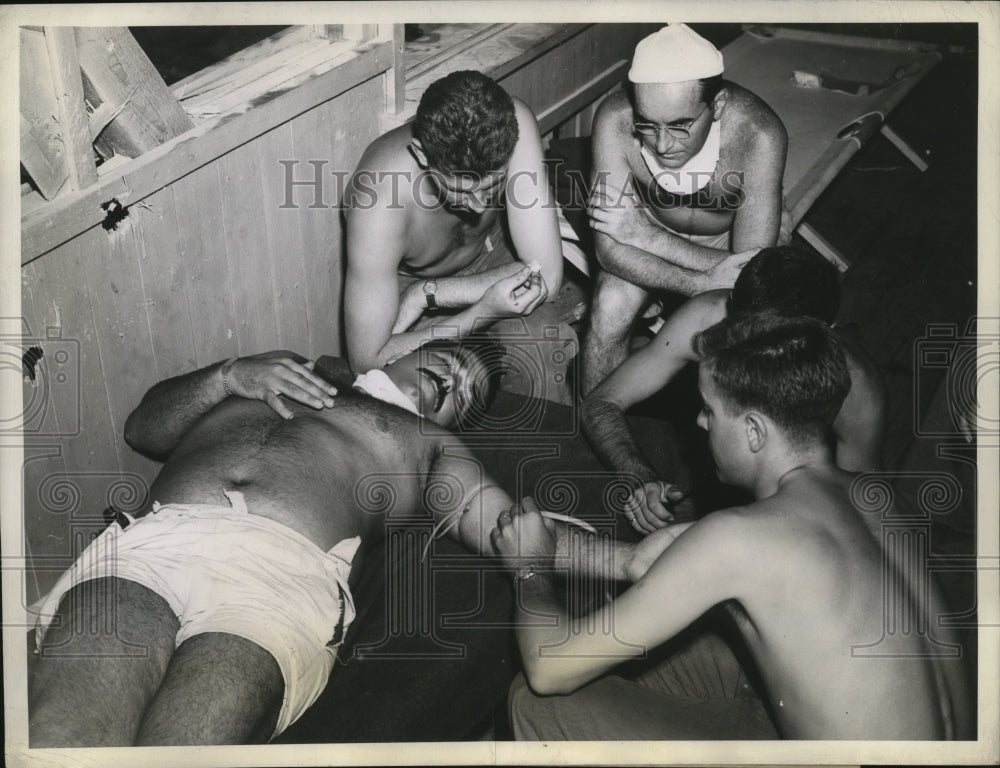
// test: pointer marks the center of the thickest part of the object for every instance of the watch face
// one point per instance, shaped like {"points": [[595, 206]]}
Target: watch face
{"points": [[431, 287]]}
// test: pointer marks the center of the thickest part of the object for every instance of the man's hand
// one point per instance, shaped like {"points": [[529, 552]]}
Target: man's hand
{"points": [[645, 508], [271, 375], [616, 215], [515, 296], [523, 536], [650, 548], [724, 274]]}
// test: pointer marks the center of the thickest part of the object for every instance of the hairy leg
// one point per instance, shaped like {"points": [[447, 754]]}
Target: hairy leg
{"points": [[615, 306], [219, 689], [100, 664]]}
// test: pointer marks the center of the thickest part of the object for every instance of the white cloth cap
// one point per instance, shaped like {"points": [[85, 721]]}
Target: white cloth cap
{"points": [[673, 55]]}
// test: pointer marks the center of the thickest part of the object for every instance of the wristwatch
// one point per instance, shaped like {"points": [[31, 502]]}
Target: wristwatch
{"points": [[430, 288]]}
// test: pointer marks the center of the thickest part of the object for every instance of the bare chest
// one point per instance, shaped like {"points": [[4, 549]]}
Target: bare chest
{"points": [[440, 243], [707, 211]]}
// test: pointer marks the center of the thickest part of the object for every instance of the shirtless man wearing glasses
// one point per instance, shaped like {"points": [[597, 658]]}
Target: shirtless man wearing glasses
{"points": [[686, 188]]}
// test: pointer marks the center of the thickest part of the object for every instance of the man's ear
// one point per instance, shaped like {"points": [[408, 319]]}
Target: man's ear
{"points": [[417, 150], [756, 428], [719, 104]]}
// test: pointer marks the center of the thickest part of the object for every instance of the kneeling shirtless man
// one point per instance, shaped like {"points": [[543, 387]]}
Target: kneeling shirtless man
{"points": [[230, 597], [802, 574]]}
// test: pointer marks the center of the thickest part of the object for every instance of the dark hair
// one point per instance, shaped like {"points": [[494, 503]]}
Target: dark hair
{"points": [[789, 282], [790, 368], [709, 87], [481, 357], [466, 124]]}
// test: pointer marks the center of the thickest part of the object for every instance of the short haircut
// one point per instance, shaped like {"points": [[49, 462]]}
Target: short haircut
{"points": [[466, 124], [789, 282], [791, 369], [709, 87], [481, 359]]}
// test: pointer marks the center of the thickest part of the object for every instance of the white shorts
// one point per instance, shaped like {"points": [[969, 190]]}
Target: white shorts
{"points": [[222, 569]]}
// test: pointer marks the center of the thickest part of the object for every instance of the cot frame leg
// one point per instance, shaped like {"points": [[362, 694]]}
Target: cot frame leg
{"points": [[901, 144], [825, 248]]}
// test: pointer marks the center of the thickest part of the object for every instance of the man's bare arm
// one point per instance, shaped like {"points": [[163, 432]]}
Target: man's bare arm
{"points": [[531, 210], [644, 373], [629, 244], [647, 271], [861, 424], [169, 409], [467, 503], [375, 246], [451, 293], [757, 221], [658, 606]]}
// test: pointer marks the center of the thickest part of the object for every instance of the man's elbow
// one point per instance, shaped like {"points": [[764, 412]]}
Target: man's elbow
{"points": [[133, 432], [141, 439], [609, 255], [364, 360], [545, 681]]}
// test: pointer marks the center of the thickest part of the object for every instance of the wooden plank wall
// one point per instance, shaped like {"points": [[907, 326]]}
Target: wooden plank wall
{"points": [[207, 268], [583, 57]]}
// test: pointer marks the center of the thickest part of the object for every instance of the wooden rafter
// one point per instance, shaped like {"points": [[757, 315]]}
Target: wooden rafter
{"points": [[68, 87], [43, 153], [83, 88], [118, 74]]}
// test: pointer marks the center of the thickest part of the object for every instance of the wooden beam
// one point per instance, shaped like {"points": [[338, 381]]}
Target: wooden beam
{"points": [[242, 59], [450, 51], [582, 96], [46, 168], [328, 31], [395, 77], [73, 119], [51, 225], [282, 71], [118, 72], [42, 153]]}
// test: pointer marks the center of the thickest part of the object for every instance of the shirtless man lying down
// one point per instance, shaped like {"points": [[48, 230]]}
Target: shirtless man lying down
{"points": [[230, 597]]}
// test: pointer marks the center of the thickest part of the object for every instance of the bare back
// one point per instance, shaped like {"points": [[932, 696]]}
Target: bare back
{"points": [[319, 473], [817, 603]]}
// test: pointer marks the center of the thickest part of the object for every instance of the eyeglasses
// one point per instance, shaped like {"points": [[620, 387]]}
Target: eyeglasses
{"points": [[677, 131]]}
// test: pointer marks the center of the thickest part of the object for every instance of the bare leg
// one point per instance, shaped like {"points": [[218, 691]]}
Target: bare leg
{"points": [[101, 663], [219, 689], [615, 306]]}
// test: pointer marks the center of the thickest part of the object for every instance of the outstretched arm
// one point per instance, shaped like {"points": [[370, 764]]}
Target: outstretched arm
{"points": [[658, 606], [169, 409], [467, 503], [644, 373]]}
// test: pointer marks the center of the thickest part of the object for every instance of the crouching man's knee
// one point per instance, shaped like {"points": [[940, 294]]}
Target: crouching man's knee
{"points": [[616, 304]]}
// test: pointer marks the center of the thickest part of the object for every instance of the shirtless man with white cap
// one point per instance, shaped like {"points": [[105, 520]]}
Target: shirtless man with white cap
{"points": [[687, 186]]}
